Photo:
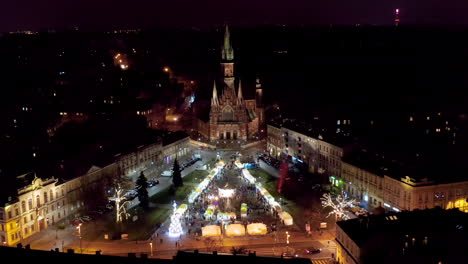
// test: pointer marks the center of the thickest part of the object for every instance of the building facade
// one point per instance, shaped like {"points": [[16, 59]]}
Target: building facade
{"points": [[155, 156], [403, 193], [274, 141], [322, 157], [38, 205]]}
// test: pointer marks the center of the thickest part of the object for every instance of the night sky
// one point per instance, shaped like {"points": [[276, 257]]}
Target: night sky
{"points": [[111, 14]]}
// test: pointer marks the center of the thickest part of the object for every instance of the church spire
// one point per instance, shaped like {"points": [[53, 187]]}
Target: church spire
{"points": [[227, 52], [239, 94], [214, 98]]}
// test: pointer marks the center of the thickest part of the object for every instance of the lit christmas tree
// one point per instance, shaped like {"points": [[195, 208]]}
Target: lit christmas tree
{"points": [[175, 229]]}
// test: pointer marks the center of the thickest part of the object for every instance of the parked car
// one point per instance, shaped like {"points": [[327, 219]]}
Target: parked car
{"points": [[131, 194], [86, 218], [76, 221], [166, 173], [313, 250], [152, 183]]}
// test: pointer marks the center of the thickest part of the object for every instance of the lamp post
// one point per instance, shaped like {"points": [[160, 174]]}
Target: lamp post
{"points": [[151, 246], [287, 242], [79, 234]]}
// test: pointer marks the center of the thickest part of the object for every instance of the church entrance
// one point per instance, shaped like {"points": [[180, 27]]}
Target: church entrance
{"points": [[221, 135], [228, 135], [234, 135]]}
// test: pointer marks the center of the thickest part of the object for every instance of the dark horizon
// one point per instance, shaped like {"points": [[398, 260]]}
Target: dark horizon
{"points": [[107, 15]]}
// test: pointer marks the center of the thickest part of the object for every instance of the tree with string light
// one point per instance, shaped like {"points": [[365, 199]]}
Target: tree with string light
{"points": [[338, 204]]}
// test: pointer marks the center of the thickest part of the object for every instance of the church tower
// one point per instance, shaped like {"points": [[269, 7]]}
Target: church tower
{"points": [[233, 119], [227, 60], [258, 93]]}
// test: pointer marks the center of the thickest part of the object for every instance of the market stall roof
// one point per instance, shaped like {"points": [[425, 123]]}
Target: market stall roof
{"points": [[235, 230], [211, 230], [257, 229]]}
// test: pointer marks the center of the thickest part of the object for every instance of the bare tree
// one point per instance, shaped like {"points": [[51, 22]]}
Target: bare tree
{"points": [[338, 204]]}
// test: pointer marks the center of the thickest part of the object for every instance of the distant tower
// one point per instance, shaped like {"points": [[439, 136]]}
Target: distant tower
{"points": [[258, 93], [227, 56], [397, 16]]}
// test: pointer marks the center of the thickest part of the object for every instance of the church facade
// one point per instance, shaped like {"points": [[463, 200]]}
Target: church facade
{"points": [[231, 117]]}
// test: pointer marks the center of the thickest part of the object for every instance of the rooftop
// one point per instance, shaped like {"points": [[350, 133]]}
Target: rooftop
{"points": [[314, 130], [421, 233], [422, 168], [215, 258]]}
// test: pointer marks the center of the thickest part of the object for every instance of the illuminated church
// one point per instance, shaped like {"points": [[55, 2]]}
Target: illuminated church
{"points": [[231, 116]]}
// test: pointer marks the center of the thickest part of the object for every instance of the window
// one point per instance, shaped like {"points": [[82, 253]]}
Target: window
{"points": [[63, 193], [16, 211], [23, 206], [51, 195], [38, 201], [9, 214], [30, 206], [45, 197]]}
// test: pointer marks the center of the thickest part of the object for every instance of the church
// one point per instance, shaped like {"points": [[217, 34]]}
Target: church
{"points": [[231, 117]]}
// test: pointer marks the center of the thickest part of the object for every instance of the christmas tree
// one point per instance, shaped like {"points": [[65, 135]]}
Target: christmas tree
{"points": [[175, 228]]}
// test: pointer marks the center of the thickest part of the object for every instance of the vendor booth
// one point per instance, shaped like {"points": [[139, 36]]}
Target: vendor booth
{"points": [[235, 230], [211, 231], [257, 229]]}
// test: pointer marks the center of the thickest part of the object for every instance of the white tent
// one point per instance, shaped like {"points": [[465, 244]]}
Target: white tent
{"points": [[286, 217], [211, 230], [257, 229], [235, 230]]}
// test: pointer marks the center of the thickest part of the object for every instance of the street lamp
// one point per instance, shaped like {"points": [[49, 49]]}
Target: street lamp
{"points": [[79, 233], [151, 245], [287, 242]]}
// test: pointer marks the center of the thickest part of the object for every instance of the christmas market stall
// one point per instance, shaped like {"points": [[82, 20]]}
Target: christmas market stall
{"points": [[235, 230]]}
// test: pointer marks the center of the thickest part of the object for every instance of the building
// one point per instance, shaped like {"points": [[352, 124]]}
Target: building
{"points": [[157, 155], [38, 204], [396, 186], [231, 117], [250, 258], [28, 255], [321, 157], [274, 141], [422, 236]]}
